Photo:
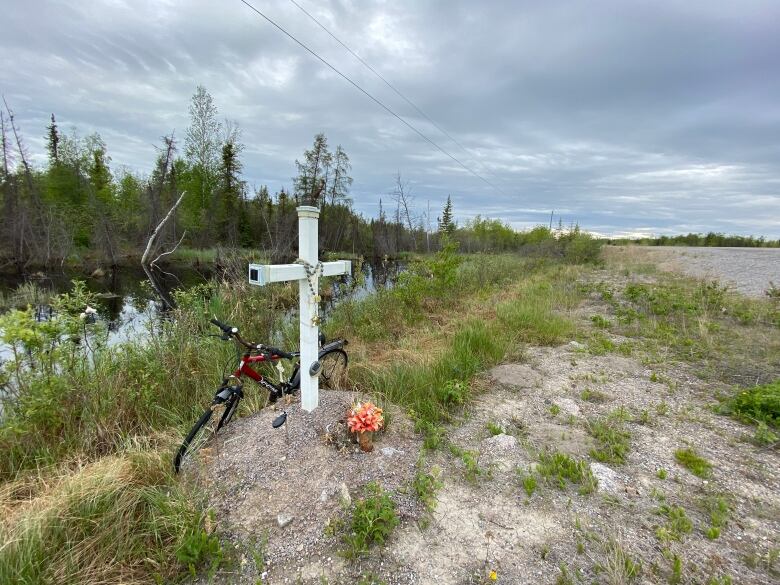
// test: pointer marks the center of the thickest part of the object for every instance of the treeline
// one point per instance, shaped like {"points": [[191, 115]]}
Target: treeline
{"points": [[710, 239], [76, 203]]}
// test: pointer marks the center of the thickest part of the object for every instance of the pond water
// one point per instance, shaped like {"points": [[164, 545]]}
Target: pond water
{"points": [[128, 305]]}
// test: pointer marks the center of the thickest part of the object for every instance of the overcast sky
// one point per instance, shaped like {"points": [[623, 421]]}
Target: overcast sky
{"points": [[625, 116]]}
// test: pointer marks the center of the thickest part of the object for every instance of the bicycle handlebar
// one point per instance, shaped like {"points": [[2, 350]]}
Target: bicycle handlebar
{"points": [[224, 327], [266, 350]]}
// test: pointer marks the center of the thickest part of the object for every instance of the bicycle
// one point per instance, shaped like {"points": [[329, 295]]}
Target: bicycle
{"points": [[332, 368]]}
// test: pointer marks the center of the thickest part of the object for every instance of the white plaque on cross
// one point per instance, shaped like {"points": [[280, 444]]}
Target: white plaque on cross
{"points": [[307, 274]]}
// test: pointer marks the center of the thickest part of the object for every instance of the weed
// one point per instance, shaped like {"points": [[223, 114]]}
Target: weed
{"points": [[425, 485], [555, 409], [720, 580], [471, 468], [677, 523], [618, 567], [718, 509], [558, 468], [694, 463], [612, 438], [373, 520], [494, 429], [764, 437], [677, 566], [600, 322], [662, 473], [596, 396], [564, 577], [529, 483], [662, 409]]}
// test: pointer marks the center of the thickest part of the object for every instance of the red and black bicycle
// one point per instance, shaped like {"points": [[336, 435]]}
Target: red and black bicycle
{"points": [[332, 371]]}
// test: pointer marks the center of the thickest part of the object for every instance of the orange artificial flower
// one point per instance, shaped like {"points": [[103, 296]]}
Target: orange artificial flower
{"points": [[365, 417]]}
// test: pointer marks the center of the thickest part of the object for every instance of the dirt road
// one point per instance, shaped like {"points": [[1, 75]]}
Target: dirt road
{"points": [[748, 270]]}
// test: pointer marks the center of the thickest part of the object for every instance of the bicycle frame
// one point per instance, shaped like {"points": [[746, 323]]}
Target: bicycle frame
{"points": [[244, 367]]}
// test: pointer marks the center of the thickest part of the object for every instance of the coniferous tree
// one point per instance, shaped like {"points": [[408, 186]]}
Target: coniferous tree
{"points": [[313, 172]]}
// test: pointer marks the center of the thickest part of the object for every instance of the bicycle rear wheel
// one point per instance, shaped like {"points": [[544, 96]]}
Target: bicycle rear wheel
{"points": [[198, 436], [334, 369]]}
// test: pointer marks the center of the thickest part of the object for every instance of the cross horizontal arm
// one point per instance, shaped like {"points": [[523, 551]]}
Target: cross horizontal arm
{"points": [[262, 274]]}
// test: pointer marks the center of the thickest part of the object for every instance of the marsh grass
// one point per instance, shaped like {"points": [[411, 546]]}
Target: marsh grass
{"points": [[121, 519]]}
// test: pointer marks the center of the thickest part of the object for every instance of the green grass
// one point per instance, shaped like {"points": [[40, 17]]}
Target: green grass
{"points": [[559, 469], [677, 523], [693, 462], [613, 441]]}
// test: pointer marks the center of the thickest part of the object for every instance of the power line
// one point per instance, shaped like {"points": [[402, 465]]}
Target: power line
{"points": [[391, 86], [368, 95]]}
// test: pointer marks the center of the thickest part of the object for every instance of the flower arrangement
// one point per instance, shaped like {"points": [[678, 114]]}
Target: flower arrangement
{"points": [[363, 420], [365, 417]]}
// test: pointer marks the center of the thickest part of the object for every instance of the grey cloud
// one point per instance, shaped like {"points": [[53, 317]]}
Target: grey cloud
{"points": [[626, 117]]}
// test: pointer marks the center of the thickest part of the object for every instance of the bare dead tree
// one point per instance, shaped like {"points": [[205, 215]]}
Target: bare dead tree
{"points": [[152, 247], [19, 146], [402, 194]]}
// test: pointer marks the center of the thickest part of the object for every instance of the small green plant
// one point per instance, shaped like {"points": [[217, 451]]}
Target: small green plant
{"points": [[494, 429], [555, 409], [529, 483], [613, 440], [618, 566], [564, 577], [373, 520], [600, 322], [558, 468], [426, 484], [693, 462], [764, 437], [471, 468], [662, 474], [720, 580], [590, 395], [454, 392], [677, 523], [677, 566], [718, 509], [662, 409]]}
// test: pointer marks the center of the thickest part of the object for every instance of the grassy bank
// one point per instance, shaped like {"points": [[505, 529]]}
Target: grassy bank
{"points": [[88, 435]]}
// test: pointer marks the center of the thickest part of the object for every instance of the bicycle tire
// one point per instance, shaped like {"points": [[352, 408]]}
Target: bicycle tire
{"points": [[230, 410], [187, 446], [334, 368]]}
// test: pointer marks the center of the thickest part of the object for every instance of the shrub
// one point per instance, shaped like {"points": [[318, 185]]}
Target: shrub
{"points": [[757, 404]]}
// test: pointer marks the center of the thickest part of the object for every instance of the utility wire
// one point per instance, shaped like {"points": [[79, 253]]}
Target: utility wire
{"points": [[368, 95], [391, 86]]}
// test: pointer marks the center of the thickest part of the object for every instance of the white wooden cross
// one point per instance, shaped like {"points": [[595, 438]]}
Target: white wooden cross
{"points": [[308, 286]]}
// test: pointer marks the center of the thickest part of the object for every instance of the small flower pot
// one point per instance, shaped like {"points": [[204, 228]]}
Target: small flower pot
{"points": [[366, 441]]}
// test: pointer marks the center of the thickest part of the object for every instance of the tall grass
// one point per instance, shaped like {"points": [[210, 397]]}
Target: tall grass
{"points": [[119, 520], [436, 384]]}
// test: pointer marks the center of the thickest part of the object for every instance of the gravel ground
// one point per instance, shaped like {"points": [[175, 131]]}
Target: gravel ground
{"points": [[748, 270]]}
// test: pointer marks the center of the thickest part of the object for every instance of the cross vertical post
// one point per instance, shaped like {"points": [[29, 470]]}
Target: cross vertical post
{"points": [[306, 270], [308, 238]]}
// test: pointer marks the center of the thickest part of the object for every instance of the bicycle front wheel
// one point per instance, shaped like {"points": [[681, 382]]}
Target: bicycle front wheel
{"points": [[334, 369], [197, 437], [230, 410]]}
